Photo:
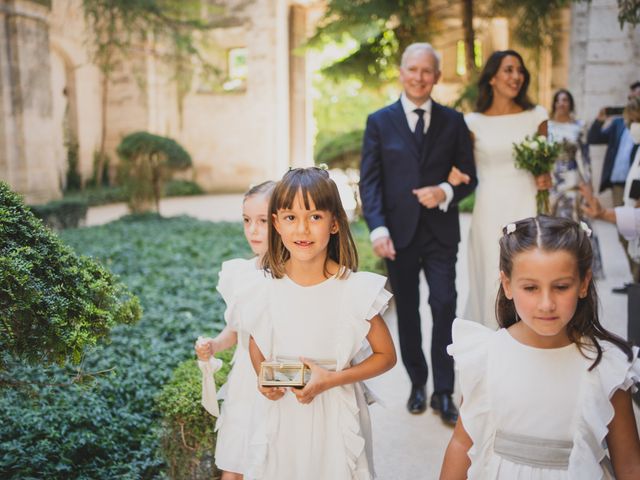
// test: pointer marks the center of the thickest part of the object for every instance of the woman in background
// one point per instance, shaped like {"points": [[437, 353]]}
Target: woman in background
{"points": [[572, 168], [504, 115]]}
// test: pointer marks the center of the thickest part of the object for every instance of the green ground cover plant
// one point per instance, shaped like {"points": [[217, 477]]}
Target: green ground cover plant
{"points": [[110, 427]]}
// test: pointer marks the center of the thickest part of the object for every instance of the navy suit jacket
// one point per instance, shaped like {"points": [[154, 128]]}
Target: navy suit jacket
{"points": [[393, 165], [611, 136]]}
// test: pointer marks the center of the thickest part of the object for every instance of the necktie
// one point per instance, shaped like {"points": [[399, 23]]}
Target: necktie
{"points": [[418, 133]]}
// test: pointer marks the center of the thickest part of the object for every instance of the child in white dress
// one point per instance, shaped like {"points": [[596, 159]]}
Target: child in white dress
{"points": [[546, 395], [314, 307], [233, 423]]}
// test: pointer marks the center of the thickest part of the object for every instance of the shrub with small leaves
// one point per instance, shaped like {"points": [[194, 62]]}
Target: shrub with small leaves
{"points": [[53, 303], [188, 438]]}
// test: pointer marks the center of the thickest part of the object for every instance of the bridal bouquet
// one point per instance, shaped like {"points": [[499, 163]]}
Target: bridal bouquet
{"points": [[537, 155]]}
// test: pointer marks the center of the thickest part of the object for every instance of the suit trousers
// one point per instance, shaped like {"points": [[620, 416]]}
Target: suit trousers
{"points": [[438, 262]]}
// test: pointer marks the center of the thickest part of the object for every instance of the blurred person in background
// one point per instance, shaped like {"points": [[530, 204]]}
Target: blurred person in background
{"points": [[572, 168], [610, 129]]}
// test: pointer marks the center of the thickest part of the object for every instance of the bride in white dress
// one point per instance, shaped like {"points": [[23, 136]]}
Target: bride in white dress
{"points": [[504, 116]]}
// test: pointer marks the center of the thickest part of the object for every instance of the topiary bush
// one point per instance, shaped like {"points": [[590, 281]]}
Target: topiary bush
{"points": [[188, 438], [53, 303], [182, 188], [99, 195], [146, 161]]}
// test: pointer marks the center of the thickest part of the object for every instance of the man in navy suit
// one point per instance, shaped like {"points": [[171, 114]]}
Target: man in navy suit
{"points": [[617, 162], [409, 149]]}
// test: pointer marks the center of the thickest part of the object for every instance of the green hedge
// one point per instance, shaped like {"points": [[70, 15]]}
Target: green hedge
{"points": [[181, 188], [94, 196], [188, 438], [61, 214]]}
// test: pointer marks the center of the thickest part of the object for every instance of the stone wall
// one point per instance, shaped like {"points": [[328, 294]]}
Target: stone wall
{"points": [[27, 160], [235, 137], [69, 46], [604, 61], [241, 137]]}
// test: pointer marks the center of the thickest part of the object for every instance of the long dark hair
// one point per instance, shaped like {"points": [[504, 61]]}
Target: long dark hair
{"points": [[572, 104], [314, 184], [552, 234], [485, 92]]}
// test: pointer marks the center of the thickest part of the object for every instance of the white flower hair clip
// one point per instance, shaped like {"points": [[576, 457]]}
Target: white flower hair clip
{"points": [[511, 227], [586, 229]]}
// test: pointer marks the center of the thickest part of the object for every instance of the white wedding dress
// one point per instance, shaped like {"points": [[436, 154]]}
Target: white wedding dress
{"points": [[504, 194]]}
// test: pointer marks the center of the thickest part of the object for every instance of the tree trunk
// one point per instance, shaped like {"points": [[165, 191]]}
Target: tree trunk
{"points": [[105, 57], [99, 165], [469, 38], [156, 178]]}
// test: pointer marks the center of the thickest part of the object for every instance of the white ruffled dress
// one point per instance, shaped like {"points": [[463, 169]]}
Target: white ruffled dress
{"points": [[239, 392], [536, 414], [328, 438]]}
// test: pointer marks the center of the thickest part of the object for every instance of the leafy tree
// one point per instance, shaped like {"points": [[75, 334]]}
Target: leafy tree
{"points": [[629, 12], [147, 161], [117, 25], [53, 303], [383, 28], [536, 23]]}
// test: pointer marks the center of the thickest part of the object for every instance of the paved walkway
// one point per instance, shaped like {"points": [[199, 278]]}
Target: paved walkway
{"points": [[407, 447]]}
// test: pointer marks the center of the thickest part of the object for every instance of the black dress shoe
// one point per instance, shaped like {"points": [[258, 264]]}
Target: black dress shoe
{"points": [[443, 404], [417, 400], [624, 289]]}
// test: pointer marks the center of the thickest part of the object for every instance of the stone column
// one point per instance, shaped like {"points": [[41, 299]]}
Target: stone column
{"points": [[26, 125], [300, 151], [605, 60]]}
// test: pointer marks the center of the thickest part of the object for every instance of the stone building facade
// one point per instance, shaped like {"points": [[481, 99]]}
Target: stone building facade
{"points": [[256, 119], [237, 133]]}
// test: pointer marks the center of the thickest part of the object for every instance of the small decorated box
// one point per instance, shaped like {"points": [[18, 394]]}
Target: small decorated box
{"points": [[287, 373]]}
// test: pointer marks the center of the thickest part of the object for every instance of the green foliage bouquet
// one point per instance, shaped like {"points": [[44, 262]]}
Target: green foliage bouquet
{"points": [[537, 155]]}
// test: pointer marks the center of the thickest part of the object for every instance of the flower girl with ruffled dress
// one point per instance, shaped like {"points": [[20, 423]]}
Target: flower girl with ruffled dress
{"points": [[313, 307], [233, 423], [546, 397]]}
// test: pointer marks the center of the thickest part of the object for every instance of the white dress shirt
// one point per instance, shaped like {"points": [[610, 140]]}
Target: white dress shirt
{"points": [[412, 119], [628, 222]]}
